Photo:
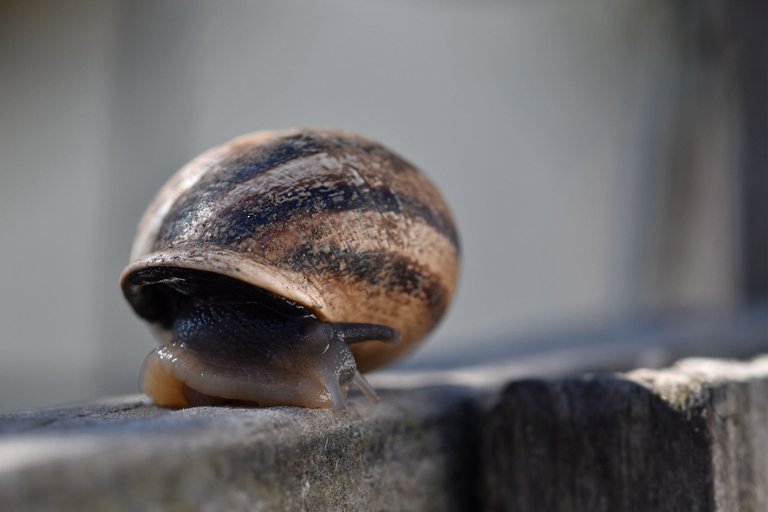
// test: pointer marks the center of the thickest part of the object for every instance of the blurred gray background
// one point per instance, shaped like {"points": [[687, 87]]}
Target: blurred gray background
{"points": [[589, 149]]}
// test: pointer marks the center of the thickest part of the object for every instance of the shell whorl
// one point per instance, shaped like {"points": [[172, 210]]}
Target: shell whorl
{"points": [[328, 219]]}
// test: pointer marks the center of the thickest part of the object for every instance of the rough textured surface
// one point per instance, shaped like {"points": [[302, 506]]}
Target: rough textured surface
{"points": [[413, 452], [692, 437]]}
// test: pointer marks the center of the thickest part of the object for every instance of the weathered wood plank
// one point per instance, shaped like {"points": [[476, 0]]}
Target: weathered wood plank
{"points": [[693, 437], [412, 452]]}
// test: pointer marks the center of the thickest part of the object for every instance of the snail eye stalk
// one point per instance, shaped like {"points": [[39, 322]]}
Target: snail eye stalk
{"points": [[351, 333]]}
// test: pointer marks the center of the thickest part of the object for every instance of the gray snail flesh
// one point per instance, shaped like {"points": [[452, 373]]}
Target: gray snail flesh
{"points": [[279, 266]]}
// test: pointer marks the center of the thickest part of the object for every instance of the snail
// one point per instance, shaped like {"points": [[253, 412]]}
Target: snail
{"points": [[278, 267]]}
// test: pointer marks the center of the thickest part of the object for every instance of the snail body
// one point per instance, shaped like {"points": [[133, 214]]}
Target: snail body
{"points": [[277, 267]]}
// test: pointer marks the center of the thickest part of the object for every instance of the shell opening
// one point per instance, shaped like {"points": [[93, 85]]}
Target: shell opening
{"points": [[228, 341]]}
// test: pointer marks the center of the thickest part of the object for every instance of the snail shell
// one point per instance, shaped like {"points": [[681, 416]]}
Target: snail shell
{"points": [[278, 266]]}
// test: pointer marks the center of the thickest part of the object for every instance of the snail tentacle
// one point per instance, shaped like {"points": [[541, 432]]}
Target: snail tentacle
{"points": [[364, 386], [351, 333]]}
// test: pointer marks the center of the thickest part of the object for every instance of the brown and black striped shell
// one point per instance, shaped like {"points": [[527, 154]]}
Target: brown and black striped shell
{"points": [[327, 219]]}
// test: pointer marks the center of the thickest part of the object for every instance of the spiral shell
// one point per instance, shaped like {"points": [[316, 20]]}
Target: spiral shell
{"points": [[329, 220]]}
